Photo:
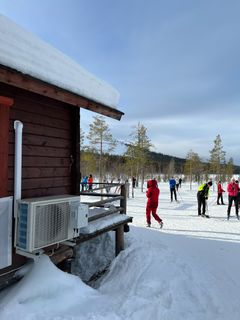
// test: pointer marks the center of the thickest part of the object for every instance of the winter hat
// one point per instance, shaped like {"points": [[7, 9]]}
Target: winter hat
{"points": [[149, 183], [154, 183], [210, 183]]}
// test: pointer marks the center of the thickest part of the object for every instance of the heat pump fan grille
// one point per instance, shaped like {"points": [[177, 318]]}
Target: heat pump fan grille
{"points": [[51, 223]]}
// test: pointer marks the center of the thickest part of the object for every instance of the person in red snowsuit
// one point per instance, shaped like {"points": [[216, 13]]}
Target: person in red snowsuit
{"points": [[90, 182], [152, 202], [233, 190], [220, 193]]}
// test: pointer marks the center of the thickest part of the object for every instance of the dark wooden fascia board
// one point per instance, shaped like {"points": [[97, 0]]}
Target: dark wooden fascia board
{"points": [[17, 79]]}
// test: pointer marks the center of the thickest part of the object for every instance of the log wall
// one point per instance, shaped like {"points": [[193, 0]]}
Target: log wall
{"points": [[50, 144]]}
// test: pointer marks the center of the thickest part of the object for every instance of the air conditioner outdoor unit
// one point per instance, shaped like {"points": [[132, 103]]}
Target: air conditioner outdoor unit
{"points": [[45, 221]]}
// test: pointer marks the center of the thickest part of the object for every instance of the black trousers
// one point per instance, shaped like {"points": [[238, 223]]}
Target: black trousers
{"points": [[230, 201], [201, 204], [220, 197], [173, 192]]}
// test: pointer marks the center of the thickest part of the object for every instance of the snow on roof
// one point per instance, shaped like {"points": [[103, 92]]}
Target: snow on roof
{"points": [[26, 53]]}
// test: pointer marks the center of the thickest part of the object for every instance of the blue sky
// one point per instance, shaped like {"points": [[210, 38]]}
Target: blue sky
{"points": [[175, 63]]}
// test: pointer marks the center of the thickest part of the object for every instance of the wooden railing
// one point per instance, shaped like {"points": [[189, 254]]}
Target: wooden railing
{"points": [[107, 192]]}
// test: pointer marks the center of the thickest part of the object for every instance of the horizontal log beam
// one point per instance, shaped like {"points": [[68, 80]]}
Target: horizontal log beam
{"points": [[86, 237], [99, 194], [62, 254], [102, 202], [104, 213]]}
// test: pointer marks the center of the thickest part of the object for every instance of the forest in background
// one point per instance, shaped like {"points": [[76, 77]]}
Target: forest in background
{"points": [[138, 160]]}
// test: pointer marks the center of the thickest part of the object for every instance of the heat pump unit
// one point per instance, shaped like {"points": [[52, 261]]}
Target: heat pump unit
{"points": [[42, 222]]}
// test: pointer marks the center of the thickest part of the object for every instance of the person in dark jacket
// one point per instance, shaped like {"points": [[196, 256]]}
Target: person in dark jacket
{"points": [[220, 193], [180, 182], [202, 196], [134, 182], [152, 202]]}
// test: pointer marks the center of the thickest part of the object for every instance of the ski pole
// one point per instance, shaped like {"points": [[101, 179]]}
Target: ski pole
{"points": [[212, 202], [179, 195], [207, 215]]}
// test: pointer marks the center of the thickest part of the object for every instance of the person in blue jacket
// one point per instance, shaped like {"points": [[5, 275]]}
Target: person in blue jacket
{"points": [[172, 185], [84, 183]]}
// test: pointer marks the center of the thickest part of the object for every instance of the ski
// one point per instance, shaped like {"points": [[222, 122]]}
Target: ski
{"points": [[205, 216]]}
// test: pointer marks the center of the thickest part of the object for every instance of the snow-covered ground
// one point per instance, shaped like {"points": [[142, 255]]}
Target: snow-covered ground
{"points": [[187, 270]]}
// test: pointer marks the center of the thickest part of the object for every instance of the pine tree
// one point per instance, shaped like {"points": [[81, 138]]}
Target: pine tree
{"points": [[193, 167], [101, 141], [138, 150], [217, 158]]}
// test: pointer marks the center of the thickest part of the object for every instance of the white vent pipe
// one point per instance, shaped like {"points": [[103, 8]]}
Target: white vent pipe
{"points": [[18, 127]]}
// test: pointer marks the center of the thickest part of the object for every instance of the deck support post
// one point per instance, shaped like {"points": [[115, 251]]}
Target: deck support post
{"points": [[119, 240]]}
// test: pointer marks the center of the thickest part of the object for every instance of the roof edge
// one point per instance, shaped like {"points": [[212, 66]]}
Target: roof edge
{"points": [[17, 79]]}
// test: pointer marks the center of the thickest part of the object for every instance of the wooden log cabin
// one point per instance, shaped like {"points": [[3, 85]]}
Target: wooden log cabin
{"points": [[43, 90]]}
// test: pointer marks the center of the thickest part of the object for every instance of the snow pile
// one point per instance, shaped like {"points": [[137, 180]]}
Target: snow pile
{"points": [[152, 281], [24, 52], [188, 270], [42, 291]]}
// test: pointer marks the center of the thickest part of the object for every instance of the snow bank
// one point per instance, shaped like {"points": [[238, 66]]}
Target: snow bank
{"points": [[44, 290], [188, 270]]}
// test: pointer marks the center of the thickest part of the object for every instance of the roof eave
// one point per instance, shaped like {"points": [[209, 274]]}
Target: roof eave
{"points": [[17, 79]]}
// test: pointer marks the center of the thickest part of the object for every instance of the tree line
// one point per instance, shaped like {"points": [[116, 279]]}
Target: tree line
{"points": [[96, 157]]}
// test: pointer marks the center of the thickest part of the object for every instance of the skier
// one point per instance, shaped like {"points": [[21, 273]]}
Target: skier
{"points": [[180, 182], [134, 182], [172, 184], [220, 193], [202, 196], [238, 196], [232, 190], [90, 182], [177, 183], [152, 202], [84, 183]]}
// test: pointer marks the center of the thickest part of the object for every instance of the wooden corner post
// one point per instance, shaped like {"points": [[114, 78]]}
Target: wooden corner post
{"points": [[123, 202], [5, 103]]}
